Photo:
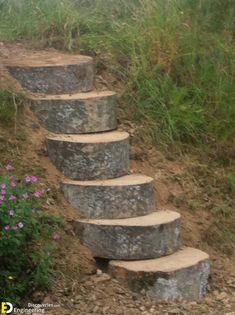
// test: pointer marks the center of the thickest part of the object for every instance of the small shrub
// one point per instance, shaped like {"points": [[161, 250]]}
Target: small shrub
{"points": [[25, 259]]}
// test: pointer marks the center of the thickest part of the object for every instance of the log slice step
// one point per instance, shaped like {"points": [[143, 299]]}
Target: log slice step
{"points": [[90, 156], [154, 235], [76, 113], [123, 197], [53, 72], [180, 276]]}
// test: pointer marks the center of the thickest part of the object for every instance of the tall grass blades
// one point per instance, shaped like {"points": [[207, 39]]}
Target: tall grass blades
{"points": [[176, 58]]}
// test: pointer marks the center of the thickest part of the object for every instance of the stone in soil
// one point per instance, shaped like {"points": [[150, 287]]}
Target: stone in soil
{"points": [[77, 113], [180, 276], [123, 197], [150, 236], [90, 156]]}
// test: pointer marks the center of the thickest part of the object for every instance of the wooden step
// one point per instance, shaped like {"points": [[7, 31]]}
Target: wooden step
{"points": [[76, 113], [182, 275], [91, 156], [123, 197], [154, 235], [53, 72]]}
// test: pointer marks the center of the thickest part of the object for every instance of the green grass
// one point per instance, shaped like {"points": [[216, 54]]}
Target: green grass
{"points": [[7, 110], [10, 108], [230, 182], [176, 59]]}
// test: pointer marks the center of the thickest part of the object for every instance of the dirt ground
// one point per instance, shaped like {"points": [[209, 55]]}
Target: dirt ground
{"points": [[81, 288]]}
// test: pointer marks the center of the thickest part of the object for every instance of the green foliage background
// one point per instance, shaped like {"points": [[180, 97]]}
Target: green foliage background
{"points": [[175, 57]]}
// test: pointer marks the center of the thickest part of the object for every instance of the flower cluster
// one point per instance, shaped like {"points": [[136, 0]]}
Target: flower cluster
{"points": [[16, 196], [22, 226], [31, 179]]}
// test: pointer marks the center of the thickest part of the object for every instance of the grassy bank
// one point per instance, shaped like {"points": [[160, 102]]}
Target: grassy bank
{"points": [[175, 58]]}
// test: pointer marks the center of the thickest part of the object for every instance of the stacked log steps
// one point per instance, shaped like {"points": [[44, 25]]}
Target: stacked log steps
{"points": [[121, 221]]}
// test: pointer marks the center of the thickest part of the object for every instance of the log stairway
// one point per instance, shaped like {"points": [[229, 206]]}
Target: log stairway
{"points": [[121, 221]]}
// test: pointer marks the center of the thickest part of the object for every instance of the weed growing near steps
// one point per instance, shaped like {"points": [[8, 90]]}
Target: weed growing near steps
{"points": [[10, 107], [27, 238], [6, 109], [174, 57]]}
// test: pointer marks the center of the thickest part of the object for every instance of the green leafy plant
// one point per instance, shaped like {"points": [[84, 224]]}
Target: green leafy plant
{"points": [[26, 238]]}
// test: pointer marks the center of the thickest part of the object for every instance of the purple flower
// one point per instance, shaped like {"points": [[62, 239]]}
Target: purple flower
{"points": [[9, 168], [3, 192], [25, 195], [37, 194], [7, 227], [55, 236], [11, 177], [31, 179], [34, 179], [27, 179], [13, 184], [11, 213], [12, 198], [20, 225], [15, 228], [3, 186]]}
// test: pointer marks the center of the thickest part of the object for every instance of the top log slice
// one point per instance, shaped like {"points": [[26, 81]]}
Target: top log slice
{"points": [[52, 72]]}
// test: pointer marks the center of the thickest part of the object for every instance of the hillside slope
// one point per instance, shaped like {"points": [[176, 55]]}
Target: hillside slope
{"points": [[186, 183]]}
